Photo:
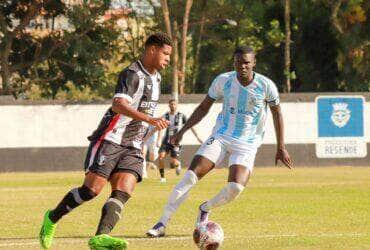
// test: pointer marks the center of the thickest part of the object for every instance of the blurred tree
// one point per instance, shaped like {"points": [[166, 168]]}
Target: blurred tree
{"points": [[71, 49], [47, 45], [19, 48], [178, 76], [287, 46]]}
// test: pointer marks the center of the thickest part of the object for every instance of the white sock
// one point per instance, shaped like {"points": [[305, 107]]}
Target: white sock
{"points": [[145, 173], [227, 194], [178, 195]]}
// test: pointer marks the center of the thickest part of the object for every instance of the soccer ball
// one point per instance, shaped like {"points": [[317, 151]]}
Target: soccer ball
{"points": [[208, 236]]}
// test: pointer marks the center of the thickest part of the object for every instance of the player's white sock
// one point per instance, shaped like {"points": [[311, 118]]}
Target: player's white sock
{"points": [[178, 195], [227, 194], [145, 173]]}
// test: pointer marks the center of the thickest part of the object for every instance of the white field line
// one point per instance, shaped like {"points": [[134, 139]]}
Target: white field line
{"points": [[176, 238]]}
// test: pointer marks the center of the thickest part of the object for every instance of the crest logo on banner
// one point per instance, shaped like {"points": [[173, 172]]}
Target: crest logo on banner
{"points": [[341, 114]]}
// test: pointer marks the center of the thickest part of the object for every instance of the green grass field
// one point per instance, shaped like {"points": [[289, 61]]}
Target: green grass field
{"points": [[307, 208]]}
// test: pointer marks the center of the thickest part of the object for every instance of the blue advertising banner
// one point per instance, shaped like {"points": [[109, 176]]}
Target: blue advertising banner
{"points": [[340, 127]]}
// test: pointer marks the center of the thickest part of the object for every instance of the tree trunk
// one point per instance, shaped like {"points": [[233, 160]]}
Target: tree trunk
{"points": [[175, 59], [334, 16], [182, 77], [5, 89], [6, 71], [287, 46], [199, 45], [166, 17]]}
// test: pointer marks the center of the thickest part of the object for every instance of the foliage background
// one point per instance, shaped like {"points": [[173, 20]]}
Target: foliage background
{"points": [[80, 60]]}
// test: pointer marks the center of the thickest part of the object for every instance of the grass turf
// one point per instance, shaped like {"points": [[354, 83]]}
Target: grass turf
{"points": [[307, 208]]}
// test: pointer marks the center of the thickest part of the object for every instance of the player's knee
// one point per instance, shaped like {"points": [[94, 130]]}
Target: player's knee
{"points": [[111, 211], [174, 162], [86, 193], [234, 190], [121, 196]]}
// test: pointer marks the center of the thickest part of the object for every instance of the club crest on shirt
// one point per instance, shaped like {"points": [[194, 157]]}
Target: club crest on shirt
{"points": [[101, 160]]}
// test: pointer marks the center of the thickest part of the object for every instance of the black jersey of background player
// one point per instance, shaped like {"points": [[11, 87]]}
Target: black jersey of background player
{"points": [[142, 90], [176, 122]]}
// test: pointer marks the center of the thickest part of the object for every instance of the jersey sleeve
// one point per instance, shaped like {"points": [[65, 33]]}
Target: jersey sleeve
{"points": [[215, 91], [127, 85], [272, 95]]}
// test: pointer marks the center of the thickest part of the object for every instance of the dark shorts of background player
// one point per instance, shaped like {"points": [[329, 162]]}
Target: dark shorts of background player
{"points": [[111, 158], [169, 148]]}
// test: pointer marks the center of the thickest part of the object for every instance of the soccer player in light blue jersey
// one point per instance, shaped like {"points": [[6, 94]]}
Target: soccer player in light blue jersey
{"points": [[239, 131]]}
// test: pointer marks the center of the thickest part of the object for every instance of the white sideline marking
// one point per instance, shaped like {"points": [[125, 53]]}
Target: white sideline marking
{"points": [[175, 238]]}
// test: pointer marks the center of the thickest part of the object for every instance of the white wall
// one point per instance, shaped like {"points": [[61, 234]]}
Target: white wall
{"points": [[69, 125]]}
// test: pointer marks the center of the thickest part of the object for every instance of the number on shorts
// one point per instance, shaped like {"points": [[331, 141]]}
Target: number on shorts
{"points": [[210, 141]]}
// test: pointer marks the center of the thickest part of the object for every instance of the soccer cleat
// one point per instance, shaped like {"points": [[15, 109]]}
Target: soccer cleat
{"points": [[178, 170], [159, 230], [163, 180], [202, 216], [104, 241], [47, 231]]}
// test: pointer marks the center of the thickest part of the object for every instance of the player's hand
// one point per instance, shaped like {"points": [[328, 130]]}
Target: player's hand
{"points": [[176, 138], [159, 123], [283, 155]]}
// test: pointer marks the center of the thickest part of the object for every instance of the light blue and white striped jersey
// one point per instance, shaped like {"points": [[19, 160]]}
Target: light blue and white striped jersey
{"points": [[244, 109]]}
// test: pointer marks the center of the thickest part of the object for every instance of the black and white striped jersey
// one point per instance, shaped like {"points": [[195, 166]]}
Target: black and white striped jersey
{"points": [[142, 91], [177, 121]]}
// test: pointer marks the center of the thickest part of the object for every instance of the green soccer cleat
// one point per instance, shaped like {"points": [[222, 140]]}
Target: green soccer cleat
{"points": [[104, 241], [47, 231]]}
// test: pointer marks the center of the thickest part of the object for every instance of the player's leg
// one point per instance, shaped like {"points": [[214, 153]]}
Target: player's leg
{"points": [[145, 151], [161, 156], [123, 180], [241, 165], [199, 166], [204, 161], [175, 162], [153, 155], [92, 185], [123, 185], [238, 178]]}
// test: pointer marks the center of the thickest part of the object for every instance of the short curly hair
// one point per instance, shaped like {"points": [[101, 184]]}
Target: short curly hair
{"points": [[243, 49], [158, 39]]}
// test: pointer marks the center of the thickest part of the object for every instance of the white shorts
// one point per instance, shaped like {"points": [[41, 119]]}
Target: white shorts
{"points": [[216, 147], [151, 145]]}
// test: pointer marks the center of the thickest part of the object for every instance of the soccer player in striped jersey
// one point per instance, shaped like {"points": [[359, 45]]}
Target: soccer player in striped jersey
{"points": [[239, 131], [114, 154], [177, 121]]}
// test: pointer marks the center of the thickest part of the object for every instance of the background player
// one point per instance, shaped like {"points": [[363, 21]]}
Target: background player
{"points": [[150, 150], [238, 131], [177, 121], [114, 154]]}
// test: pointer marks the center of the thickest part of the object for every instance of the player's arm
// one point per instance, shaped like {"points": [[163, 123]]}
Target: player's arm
{"points": [[281, 154], [122, 106], [198, 114], [127, 87]]}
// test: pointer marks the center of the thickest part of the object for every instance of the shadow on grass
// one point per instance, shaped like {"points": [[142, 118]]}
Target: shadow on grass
{"points": [[89, 236]]}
